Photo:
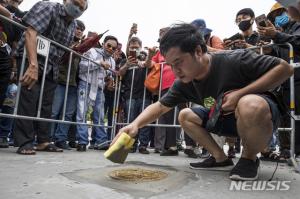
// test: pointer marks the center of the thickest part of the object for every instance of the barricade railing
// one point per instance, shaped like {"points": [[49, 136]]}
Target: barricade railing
{"points": [[126, 120], [293, 116], [43, 49]]}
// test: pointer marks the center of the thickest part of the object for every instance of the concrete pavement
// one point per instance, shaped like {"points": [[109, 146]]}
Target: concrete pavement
{"points": [[72, 175]]}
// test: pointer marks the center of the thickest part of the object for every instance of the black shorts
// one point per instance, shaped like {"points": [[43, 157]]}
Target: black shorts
{"points": [[228, 125]]}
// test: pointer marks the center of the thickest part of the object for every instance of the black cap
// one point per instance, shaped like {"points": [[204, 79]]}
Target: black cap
{"points": [[245, 11]]}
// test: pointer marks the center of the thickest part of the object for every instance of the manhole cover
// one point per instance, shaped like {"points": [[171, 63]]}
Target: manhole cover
{"points": [[138, 175]]}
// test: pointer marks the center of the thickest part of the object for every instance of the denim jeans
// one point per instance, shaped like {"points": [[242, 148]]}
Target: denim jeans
{"points": [[136, 108], [98, 115], [60, 131], [6, 124]]}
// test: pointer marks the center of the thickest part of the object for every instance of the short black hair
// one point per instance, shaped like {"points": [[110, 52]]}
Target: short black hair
{"points": [[185, 36], [135, 39], [245, 11], [80, 24], [110, 37]]}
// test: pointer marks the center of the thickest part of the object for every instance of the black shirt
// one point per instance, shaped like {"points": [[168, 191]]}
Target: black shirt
{"points": [[229, 70], [138, 83], [5, 64], [253, 39]]}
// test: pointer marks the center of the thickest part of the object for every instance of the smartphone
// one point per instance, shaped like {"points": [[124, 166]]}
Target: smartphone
{"points": [[132, 53], [134, 28], [261, 20], [237, 36]]}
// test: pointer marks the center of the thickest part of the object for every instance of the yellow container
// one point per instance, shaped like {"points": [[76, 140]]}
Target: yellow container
{"points": [[118, 152]]}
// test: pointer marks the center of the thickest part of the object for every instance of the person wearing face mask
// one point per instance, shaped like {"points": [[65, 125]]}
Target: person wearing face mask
{"points": [[248, 37], [281, 29], [57, 22], [93, 77]]}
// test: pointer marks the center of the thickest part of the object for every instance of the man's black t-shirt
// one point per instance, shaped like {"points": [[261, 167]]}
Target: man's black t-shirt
{"points": [[229, 70]]}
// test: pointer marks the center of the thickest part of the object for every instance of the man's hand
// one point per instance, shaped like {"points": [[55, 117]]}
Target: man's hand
{"points": [[241, 43], [227, 44], [105, 65], [131, 61], [31, 76], [130, 129], [269, 31], [231, 100], [133, 30], [151, 51]]}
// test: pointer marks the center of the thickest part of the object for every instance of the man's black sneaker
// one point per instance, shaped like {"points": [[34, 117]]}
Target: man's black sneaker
{"points": [[62, 145], [143, 150], [245, 170], [81, 147], [211, 164], [73, 144], [169, 152], [190, 153]]}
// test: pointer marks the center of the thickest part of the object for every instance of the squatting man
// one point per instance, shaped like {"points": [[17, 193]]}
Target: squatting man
{"points": [[243, 79]]}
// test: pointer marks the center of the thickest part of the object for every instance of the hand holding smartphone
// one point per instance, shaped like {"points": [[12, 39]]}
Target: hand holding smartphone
{"points": [[261, 20], [132, 53]]}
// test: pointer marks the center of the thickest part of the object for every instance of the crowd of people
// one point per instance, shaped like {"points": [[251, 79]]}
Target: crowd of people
{"points": [[197, 68]]}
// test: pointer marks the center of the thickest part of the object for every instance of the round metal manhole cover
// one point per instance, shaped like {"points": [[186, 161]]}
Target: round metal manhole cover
{"points": [[138, 175]]}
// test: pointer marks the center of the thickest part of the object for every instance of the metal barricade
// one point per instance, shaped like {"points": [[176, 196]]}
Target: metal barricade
{"points": [[293, 116], [43, 48], [118, 98]]}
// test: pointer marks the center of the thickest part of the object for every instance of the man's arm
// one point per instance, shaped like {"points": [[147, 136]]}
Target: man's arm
{"points": [[31, 74], [129, 62], [268, 81], [150, 114], [123, 69], [151, 53], [5, 12]]}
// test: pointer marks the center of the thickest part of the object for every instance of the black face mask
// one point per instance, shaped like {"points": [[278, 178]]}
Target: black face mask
{"points": [[245, 25]]}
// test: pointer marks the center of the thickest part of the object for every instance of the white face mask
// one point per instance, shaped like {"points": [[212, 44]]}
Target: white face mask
{"points": [[73, 10]]}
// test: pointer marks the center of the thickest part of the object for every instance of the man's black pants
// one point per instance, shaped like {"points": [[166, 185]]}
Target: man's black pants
{"points": [[25, 130]]}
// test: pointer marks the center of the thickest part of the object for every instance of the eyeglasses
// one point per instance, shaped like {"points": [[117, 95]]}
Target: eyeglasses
{"points": [[111, 47]]}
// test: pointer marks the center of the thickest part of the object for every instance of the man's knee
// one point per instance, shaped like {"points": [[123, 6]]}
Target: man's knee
{"points": [[253, 107], [187, 115]]}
